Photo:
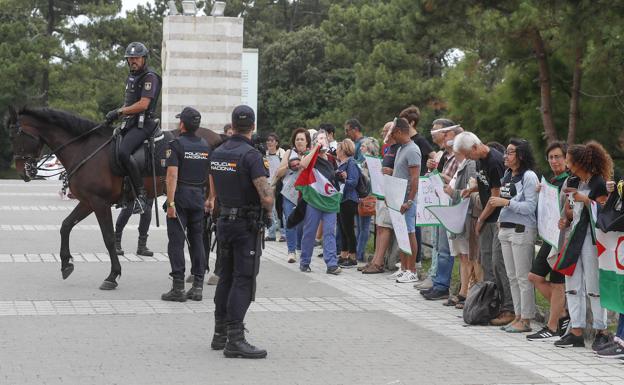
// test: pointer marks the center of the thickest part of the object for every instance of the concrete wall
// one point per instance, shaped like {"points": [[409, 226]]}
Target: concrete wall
{"points": [[201, 60]]}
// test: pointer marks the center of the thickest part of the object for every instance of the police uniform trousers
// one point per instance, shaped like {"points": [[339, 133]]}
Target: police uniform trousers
{"points": [[132, 139], [144, 222], [236, 270], [192, 220]]}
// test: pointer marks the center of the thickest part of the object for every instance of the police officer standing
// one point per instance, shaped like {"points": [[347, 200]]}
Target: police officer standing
{"points": [[138, 111], [144, 222], [239, 176], [187, 172]]}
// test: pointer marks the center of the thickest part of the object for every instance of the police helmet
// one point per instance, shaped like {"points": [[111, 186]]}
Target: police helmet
{"points": [[136, 49]]}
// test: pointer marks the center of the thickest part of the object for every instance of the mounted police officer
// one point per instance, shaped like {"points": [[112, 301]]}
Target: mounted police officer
{"points": [[138, 111], [239, 176], [187, 173]]}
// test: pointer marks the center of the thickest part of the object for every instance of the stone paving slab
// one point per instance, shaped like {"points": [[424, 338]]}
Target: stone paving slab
{"points": [[304, 348]]}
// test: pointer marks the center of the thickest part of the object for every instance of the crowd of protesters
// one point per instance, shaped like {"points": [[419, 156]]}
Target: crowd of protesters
{"points": [[499, 236]]}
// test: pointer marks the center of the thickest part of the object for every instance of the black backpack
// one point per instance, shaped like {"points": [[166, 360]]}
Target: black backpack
{"points": [[482, 304], [363, 187]]}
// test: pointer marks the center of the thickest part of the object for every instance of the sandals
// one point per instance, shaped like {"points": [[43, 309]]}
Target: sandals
{"points": [[373, 269], [455, 300], [513, 329], [360, 268]]}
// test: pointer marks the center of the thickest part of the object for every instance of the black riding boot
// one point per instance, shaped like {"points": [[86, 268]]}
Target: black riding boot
{"points": [[118, 248], [237, 346], [142, 247], [176, 293], [219, 338], [134, 172], [195, 292]]}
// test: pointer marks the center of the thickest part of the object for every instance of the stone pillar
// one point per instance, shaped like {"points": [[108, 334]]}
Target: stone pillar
{"points": [[201, 64]]}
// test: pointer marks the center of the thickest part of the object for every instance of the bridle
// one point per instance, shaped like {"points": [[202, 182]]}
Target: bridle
{"points": [[31, 159]]}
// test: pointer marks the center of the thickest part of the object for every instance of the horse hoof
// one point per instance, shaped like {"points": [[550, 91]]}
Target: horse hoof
{"points": [[67, 270], [108, 285]]}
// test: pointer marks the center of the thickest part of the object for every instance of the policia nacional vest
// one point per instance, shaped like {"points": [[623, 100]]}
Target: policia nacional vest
{"points": [[232, 181], [134, 89], [193, 168]]}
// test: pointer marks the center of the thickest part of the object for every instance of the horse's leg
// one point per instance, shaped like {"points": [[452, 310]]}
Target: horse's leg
{"points": [[80, 212], [105, 219]]}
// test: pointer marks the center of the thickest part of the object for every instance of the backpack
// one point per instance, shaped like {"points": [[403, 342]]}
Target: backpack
{"points": [[482, 304], [363, 187]]}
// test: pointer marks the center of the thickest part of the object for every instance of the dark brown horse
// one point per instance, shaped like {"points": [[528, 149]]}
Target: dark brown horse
{"points": [[92, 182]]}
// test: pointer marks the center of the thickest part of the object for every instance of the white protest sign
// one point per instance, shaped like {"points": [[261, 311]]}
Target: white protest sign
{"points": [[427, 196], [394, 191], [453, 218], [548, 213], [376, 176], [400, 230], [438, 185]]}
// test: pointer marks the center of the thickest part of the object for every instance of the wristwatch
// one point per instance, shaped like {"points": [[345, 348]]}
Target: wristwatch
{"points": [[171, 204]]}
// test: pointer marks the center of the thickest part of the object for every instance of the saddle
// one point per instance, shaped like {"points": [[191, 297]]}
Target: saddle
{"points": [[143, 154]]}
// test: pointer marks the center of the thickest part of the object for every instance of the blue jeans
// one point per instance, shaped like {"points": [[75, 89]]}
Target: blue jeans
{"points": [[293, 236], [363, 233], [620, 328], [311, 222], [442, 279], [275, 226]]}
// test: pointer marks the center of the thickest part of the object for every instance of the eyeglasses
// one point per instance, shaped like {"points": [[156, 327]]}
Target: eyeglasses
{"points": [[555, 157]]}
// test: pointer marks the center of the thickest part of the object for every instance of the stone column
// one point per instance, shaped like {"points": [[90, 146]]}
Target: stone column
{"points": [[201, 61]]}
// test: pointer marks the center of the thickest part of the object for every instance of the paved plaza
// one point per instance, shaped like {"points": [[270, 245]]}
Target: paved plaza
{"points": [[317, 328]]}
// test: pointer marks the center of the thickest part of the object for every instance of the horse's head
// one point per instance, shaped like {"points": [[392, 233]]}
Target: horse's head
{"points": [[26, 144]]}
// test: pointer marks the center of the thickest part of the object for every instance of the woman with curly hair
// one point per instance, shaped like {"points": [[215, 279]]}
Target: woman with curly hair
{"points": [[590, 165]]}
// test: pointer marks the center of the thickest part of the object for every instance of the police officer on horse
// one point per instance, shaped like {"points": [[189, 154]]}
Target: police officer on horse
{"points": [[142, 92], [239, 176], [187, 173]]}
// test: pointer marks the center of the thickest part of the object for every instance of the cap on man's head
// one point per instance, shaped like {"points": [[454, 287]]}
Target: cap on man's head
{"points": [[190, 117], [243, 116]]}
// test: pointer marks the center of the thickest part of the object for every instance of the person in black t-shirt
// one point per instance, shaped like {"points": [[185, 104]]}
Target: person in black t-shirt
{"points": [[490, 170]]}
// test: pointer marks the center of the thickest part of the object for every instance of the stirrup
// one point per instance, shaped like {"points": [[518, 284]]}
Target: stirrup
{"points": [[138, 207]]}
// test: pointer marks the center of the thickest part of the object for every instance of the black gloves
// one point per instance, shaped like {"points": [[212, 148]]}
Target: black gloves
{"points": [[112, 115]]}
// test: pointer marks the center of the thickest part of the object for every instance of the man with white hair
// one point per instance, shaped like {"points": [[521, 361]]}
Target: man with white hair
{"points": [[490, 170]]}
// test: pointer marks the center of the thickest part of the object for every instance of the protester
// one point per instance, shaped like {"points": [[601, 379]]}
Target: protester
{"points": [[228, 130], [518, 229], [553, 289], [490, 170], [460, 244], [289, 170], [331, 132], [348, 174], [321, 206], [591, 165], [274, 155], [407, 166], [369, 147], [353, 130], [441, 281]]}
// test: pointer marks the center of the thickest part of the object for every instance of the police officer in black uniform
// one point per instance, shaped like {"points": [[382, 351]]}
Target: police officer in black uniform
{"points": [[138, 111], [187, 173], [239, 176], [144, 222]]}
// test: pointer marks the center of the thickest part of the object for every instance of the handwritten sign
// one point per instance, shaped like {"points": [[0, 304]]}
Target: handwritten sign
{"points": [[548, 214], [376, 176], [427, 196]]}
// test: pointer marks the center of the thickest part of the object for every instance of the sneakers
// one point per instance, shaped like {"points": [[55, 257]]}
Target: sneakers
{"points": [[397, 274], [407, 277], [334, 270], [349, 263], [282, 239], [342, 260], [305, 269], [543, 335], [570, 341], [614, 351], [213, 280], [434, 295], [426, 283], [601, 341], [292, 258], [269, 239], [563, 325], [503, 318]]}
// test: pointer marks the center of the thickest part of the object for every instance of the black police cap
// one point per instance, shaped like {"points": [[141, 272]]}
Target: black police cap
{"points": [[190, 117], [243, 116]]}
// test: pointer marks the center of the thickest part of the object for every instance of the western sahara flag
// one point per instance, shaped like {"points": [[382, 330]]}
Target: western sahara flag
{"points": [[611, 264], [317, 190]]}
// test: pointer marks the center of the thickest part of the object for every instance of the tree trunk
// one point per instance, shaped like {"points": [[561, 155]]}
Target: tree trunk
{"points": [[45, 81], [544, 77], [575, 93]]}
